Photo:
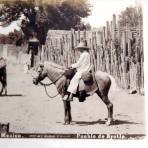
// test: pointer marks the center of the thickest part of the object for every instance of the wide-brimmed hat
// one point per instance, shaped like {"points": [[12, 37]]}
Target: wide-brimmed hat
{"points": [[82, 46]]}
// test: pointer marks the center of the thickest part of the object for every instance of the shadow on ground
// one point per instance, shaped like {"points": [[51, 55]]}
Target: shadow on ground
{"points": [[115, 122], [12, 95]]}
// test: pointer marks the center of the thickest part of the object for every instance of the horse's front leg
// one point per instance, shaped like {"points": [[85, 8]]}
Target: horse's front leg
{"points": [[67, 110]]}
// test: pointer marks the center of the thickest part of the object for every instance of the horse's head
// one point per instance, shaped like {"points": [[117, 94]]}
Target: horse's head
{"points": [[41, 74]]}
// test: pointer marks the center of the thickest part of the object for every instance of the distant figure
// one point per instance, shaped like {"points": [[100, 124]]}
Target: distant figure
{"points": [[5, 51], [33, 49]]}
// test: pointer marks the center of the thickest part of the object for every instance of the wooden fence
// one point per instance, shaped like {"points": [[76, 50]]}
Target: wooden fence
{"points": [[114, 49]]}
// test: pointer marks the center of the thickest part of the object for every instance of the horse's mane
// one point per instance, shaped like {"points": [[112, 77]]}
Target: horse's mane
{"points": [[48, 64], [54, 70]]}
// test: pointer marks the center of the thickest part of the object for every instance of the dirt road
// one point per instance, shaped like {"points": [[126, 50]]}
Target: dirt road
{"points": [[28, 109]]}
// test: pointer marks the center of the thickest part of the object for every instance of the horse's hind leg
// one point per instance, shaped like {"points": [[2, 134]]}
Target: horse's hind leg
{"points": [[109, 105], [110, 109]]}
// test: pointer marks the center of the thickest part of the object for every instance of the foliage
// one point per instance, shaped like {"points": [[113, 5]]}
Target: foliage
{"points": [[131, 17], [12, 38], [42, 15]]}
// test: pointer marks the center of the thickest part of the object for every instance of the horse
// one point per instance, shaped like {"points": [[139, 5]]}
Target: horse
{"points": [[3, 76], [55, 73]]}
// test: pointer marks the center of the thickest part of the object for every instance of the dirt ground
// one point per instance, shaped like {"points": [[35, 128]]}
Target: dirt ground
{"points": [[29, 110]]}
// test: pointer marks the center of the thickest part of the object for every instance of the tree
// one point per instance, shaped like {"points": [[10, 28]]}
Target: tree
{"points": [[88, 26], [12, 38], [42, 15], [131, 17]]}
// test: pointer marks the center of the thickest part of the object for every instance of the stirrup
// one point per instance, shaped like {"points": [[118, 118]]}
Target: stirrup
{"points": [[70, 98], [65, 97]]}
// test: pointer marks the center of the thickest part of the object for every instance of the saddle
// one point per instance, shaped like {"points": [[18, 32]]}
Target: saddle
{"points": [[87, 84], [69, 73]]}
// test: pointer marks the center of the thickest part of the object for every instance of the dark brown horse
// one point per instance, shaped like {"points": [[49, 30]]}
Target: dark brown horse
{"points": [[3, 76], [55, 73]]}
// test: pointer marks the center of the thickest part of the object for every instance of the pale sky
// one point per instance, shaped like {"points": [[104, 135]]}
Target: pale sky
{"points": [[11, 27], [102, 11]]}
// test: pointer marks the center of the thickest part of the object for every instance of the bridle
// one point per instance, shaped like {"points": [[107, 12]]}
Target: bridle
{"points": [[45, 86], [49, 84]]}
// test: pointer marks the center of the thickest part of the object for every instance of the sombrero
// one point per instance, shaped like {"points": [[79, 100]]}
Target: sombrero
{"points": [[82, 46]]}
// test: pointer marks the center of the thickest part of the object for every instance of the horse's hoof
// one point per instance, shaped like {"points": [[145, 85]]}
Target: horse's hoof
{"points": [[109, 122], [70, 119], [67, 123], [5, 93]]}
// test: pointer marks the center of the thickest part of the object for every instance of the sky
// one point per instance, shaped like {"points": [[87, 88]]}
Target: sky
{"points": [[101, 11], [11, 27]]}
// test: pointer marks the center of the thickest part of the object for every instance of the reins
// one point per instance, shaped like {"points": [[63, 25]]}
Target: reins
{"points": [[45, 85]]}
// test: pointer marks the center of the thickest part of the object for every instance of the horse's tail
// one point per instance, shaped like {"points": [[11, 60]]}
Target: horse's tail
{"points": [[114, 86]]}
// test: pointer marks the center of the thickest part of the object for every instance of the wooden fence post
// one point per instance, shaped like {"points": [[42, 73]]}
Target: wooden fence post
{"points": [[110, 48]]}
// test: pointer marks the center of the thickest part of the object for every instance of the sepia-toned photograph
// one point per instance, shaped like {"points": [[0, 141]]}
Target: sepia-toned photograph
{"points": [[72, 69]]}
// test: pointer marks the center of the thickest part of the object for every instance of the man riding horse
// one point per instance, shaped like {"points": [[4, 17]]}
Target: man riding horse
{"points": [[94, 82], [83, 65]]}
